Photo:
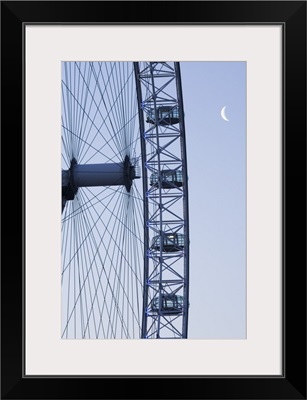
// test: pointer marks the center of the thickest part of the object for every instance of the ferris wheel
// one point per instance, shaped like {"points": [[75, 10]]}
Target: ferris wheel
{"points": [[125, 223]]}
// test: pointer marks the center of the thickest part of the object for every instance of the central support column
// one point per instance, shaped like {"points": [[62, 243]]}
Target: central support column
{"points": [[89, 175]]}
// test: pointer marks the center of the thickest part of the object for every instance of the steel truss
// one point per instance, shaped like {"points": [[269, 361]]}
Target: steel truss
{"points": [[166, 277]]}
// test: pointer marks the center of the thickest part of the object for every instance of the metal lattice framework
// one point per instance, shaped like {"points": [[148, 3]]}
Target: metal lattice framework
{"points": [[165, 313], [125, 241]]}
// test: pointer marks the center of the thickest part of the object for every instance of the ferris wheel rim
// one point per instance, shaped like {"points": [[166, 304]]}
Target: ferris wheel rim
{"points": [[166, 120]]}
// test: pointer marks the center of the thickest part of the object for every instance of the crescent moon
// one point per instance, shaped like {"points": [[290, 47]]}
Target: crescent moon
{"points": [[223, 114]]}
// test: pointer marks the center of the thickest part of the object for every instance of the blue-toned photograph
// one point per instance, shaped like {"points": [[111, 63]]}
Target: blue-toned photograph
{"points": [[153, 200]]}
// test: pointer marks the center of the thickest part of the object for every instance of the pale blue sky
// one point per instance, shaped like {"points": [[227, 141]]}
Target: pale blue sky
{"points": [[216, 151]]}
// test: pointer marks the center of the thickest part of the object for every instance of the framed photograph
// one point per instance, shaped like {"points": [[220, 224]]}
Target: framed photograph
{"points": [[162, 203]]}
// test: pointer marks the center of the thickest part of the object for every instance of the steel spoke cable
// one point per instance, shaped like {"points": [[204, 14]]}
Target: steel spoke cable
{"points": [[67, 138], [74, 278], [69, 272], [81, 279], [119, 220], [92, 250], [90, 269], [112, 158], [86, 237], [110, 101], [71, 116], [134, 261], [99, 150], [110, 192], [118, 106], [119, 96], [99, 199], [127, 230], [89, 249], [123, 245], [117, 281], [137, 257], [98, 131], [68, 105], [86, 252], [125, 105], [95, 149], [93, 123], [72, 230], [92, 228], [78, 114], [117, 276], [73, 125], [87, 101], [138, 229], [69, 78], [117, 93], [111, 257], [66, 135], [110, 104], [104, 262], [122, 110], [133, 131], [134, 276], [139, 205], [115, 127], [85, 130], [81, 128], [64, 160], [119, 261]]}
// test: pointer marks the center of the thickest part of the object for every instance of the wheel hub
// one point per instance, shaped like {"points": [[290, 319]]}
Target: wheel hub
{"points": [[100, 175]]}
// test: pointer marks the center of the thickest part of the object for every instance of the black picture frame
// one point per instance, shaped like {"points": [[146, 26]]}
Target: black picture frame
{"points": [[292, 16]]}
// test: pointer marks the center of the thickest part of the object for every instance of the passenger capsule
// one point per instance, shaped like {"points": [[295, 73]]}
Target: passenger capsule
{"points": [[167, 115], [169, 179], [171, 304], [172, 242]]}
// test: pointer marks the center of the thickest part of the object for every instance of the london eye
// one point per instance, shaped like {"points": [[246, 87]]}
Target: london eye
{"points": [[125, 220]]}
